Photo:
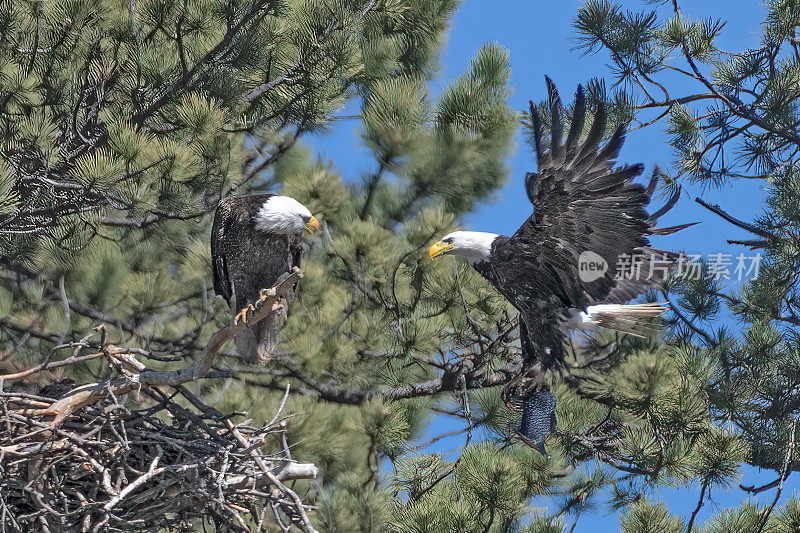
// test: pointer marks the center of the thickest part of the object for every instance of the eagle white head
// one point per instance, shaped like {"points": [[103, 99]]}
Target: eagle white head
{"points": [[474, 245], [286, 216]]}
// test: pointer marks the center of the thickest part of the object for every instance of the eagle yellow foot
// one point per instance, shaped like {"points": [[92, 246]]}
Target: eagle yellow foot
{"points": [[243, 314], [266, 293]]}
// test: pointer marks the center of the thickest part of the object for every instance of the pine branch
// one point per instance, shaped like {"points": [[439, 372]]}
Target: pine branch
{"points": [[752, 489], [690, 323], [716, 209], [735, 105], [258, 7], [700, 503], [187, 342], [784, 474], [371, 188], [203, 363]]}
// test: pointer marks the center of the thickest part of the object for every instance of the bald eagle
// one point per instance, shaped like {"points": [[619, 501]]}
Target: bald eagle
{"points": [[254, 240], [584, 208]]}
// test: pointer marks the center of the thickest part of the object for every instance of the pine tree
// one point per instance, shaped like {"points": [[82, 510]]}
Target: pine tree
{"points": [[125, 122], [714, 397], [692, 411]]}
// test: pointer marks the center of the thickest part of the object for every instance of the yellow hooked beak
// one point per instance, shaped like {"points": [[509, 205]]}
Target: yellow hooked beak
{"points": [[312, 225], [438, 249]]}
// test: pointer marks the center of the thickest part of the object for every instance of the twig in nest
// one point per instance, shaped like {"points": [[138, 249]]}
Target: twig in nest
{"points": [[89, 460]]}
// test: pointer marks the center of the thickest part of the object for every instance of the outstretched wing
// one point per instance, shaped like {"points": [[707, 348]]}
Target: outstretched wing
{"points": [[585, 209], [582, 202]]}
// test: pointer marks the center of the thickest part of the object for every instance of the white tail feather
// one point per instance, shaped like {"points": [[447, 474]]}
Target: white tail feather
{"points": [[633, 319]]}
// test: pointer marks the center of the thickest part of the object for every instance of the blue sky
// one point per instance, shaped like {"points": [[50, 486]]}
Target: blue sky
{"points": [[540, 39]]}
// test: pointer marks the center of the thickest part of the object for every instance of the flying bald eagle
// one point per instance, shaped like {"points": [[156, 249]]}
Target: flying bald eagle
{"points": [[585, 209], [254, 240]]}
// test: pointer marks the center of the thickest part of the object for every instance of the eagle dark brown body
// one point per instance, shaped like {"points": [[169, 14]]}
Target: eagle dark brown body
{"points": [[247, 259], [583, 203]]}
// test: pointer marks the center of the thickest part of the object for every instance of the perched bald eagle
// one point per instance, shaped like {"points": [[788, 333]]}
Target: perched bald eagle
{"points": [[254, 240], [583, 207]]}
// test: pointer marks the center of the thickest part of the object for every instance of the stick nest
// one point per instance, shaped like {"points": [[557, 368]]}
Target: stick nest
{"points": [[82, 459]]}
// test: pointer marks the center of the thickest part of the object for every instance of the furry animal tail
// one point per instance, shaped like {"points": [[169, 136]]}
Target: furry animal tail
{"points": [[633, 319]]}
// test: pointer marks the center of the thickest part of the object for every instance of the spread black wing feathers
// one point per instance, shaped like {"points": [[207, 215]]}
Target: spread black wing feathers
{"points": [[246, 260], [582, 202]]}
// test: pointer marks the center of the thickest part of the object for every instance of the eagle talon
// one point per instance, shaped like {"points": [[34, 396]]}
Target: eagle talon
{"points": [[243, 314], [262, 297]]}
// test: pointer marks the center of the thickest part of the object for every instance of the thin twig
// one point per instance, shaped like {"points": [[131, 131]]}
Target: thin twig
{"points": [[786, 462]]}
